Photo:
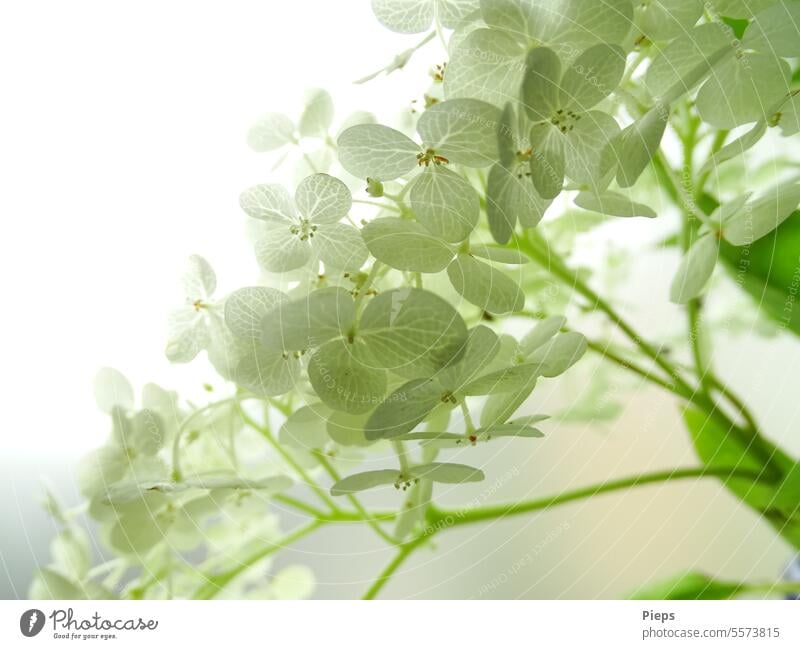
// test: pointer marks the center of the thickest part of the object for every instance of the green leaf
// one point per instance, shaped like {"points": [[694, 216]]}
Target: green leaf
{"points": [[342, 381], [309, 321], [613, 204], [589, 153], [500, 407], [447, 473], [412, 332], [376, 151], [271, 132], [317, 114], [406, 245], [775, 30], [270, 203], [592, 77], [736, 148], [246, 309], [340, 245], [366, 480], [761, 216], [695, 270], [510, 198], [484, 286], [323, 199], [444, 203], [499, 255], [267, 373], [742, 89], [542, 333], [541, 84], [511, 380], [112, 390], [690, 585], [559, 354], [462, 130], [481, 347], [347, 429], [306, 428], [638, 144], [403, 409], [281, 250], [547, 161], [662, 20]]}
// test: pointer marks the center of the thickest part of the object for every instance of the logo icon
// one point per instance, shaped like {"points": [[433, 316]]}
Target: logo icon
{"points": [[31, 622]]}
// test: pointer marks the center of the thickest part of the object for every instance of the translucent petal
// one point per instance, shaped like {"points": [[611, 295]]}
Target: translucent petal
{"points": [[499, 254], [246, 308], [540, 85], [761, 216], [742, 89], [404, 16], [447, 473], [268, 203], [462, 130], [323, 199], [347, 429], [498, 408], [100, 469], [376, 151], [444, 203], [363, 481], [309, 321], [317, 114], [547, 162], [485, 286], [199, 279], [661, 20], [271, 132], [412, 330], [592, 77], [487, 65], [739, 8], [305, 428], [775, 30], [509, 198], [187, 335], [511, 380], [267, 373], [736, 148], [542, 333], [281, 250], [356, 118], [406, 245], [340, 246], [559, 354], [342, 381], [481, 347], [639, 143], [589, 156], [404, 409], [613, 204], [695, 270], [147, 433], [112, 389], [452, 12]]}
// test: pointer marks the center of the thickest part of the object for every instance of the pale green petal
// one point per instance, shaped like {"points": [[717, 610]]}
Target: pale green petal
{"points": [[613, 204], [499, 254], [512, 380], [737, 147], [310, 321], [342, 381], [638, 144], [376, 151], [267, 373], [356, 118], [317, 114], [762, 215], [268, 203], [444, 203], [339, 245], [547, 162], [559, 354], [412, 330], [589, 156], [592, 77], [323, 199], [187, 335], [481, 348], [306, 428], [366, 480], [403, 409], [487, 65], [541, 333], [775, 30], [541, 84], [661, 20], [199, 279], [347, 429], [510, 198], [246, 308], [739, 8], [280, 250], [404, 16], [485, 286], [499, 407], [100, 469], [452, 12], [406, 245], [695, 270], [742, 89], [447, 473], [462, 130], [112, 389], [271, 132]]}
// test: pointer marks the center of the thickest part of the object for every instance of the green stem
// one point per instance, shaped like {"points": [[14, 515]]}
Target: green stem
{"points": [[216, 583], [402, 554]]}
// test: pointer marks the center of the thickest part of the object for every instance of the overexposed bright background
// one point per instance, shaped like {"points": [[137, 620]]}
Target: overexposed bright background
{"points": [[122, 151]]}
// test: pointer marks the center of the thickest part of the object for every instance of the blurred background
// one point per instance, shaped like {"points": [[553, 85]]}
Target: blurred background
{"points": [[123, 151]]}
